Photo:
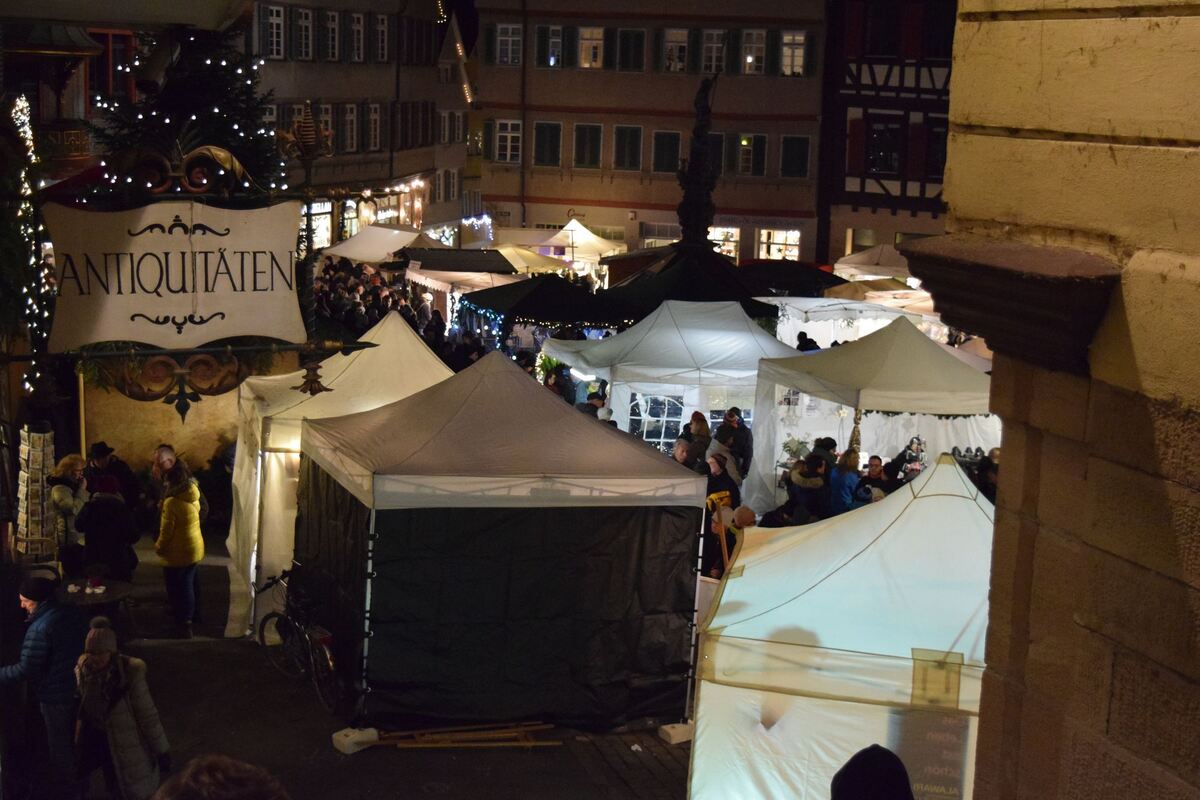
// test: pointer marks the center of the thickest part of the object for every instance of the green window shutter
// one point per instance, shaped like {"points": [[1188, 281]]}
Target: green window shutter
{"points": [[773, 66], [810, 57], [293, 32], [657, 57], [610, 48], [489, 44], [489, 139], [759, 165], [263, 35], [571, 47], [363, 122], [339, 145], [320, 35], [542, 46], [695, 45], [344, 36], [733, 52], [732, 142], [716, 155], [370, 52]]}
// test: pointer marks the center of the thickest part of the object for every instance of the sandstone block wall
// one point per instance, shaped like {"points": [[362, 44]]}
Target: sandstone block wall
{"points": [[1073, 123]]}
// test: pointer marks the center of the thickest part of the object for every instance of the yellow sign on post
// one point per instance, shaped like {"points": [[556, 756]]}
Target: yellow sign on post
{"points": [[937, 678]]}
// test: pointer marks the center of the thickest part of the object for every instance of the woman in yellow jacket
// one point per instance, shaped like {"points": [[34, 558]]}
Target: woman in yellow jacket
{"points": [[180, 544]]}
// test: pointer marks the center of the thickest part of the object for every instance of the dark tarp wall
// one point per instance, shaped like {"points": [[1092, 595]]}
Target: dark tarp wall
{"points": [[332, 526], [567, 614]]}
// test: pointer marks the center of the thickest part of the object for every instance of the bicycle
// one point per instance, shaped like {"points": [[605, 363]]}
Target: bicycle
{"points": [[297, 648]]}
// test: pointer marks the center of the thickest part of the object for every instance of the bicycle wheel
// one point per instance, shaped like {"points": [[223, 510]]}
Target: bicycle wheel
{"points": [[329, 690], [285, 644]]}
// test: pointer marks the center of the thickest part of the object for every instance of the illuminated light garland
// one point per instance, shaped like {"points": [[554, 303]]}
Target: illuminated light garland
{"points": [[37, 290]]}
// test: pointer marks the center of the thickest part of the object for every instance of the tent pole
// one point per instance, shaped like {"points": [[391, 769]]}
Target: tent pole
{"points": [[691, 684]]}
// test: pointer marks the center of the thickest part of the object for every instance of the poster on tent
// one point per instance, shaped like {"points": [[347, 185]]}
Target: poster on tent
{"points": [[934, 746], [174, 274]]}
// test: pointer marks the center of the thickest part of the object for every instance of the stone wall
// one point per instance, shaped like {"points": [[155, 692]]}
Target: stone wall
{"points": [[1074, 124]]}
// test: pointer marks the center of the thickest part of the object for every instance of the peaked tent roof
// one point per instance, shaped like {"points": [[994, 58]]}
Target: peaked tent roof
{"points": [[400, 364], [680, 343], [376, 243], [897, 368], [882, 260], [859, 290], [686, 273], [545, 299], [451, 260], [491, 436], [821, 309]]}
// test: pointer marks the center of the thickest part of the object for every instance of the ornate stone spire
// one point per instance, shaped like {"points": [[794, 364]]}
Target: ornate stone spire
{"points": [[696, 175]]}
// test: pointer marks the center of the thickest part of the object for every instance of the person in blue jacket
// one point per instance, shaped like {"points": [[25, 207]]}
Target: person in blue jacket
{"points": [[53, 643], [844, 481]]}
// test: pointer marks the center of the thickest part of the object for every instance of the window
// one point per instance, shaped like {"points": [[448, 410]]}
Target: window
{"points": [[656, 419], [752, 154], [658, 234], [381, 37], [883, 29], [936, 132], [793, 157], [444, 127], [357, 34], [547, 144], [631, 50], [666, 151], [716, 153], [373, 126], [587, 145], [452, 184], [938, 25], [304, 34], [269, 118], [445, 73], [459, 127], [777, 244], [713, 52], [675, 45], [754, 52], [883, 145], [296, 111], [726, 239], [325, 117], [350, 128], [508, 140], [332, 35], [549, 46], [438, 179], [274, 48], [105, 71], [591, 48], [791, 52], [627, 147], [508, 44]]}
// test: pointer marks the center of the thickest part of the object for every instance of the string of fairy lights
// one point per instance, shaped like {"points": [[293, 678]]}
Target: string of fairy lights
{"points": [[37, 289]]}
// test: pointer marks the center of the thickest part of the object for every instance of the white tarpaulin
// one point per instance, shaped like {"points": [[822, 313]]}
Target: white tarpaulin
{"points": [[266, 466], [881, 261], [861, 629], [828, 319], [896, 369], [377, 242], [492, 437], [174, 274], [578, 243]]}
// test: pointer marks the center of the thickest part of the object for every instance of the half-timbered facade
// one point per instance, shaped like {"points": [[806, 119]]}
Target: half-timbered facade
{"points": [[886, 105]]}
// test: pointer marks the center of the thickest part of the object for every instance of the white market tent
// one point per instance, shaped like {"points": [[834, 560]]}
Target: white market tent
{"points": [[830, 319], [881, 261], [458, 281], [376, 243], [897, 369], [266, 466], [708, 353], [578, 243], [865, 628], [528, 260]]}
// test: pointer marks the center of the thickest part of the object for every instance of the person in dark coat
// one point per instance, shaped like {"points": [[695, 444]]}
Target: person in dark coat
{"points": [[810, 486], [805, 344], [109, 532], [102, 460], [52, 644], [435, 329], [424, 312], [826, 448], [875, 479], [873, 773], [743, 440], [594, 402]]}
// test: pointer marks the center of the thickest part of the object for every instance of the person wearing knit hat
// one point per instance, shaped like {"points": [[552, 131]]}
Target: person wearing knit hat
{"points": [[53, 641], [119, 729]]}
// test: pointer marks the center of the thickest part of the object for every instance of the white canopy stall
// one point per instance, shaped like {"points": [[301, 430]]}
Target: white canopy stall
{"points": [[376, 243], [881, 261], [830, 319], [270, 412], [705, 353], [898, 370], [865, 628]]}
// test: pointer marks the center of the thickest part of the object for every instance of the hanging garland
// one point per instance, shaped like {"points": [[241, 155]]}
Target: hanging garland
{"points": [[37, 289]]}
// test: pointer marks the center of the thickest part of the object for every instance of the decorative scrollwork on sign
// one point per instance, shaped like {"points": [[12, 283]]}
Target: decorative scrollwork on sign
{"points": [[178, 322], [163, 378], [178, 226]]}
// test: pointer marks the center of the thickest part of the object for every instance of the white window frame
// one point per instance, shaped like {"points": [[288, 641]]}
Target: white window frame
{"points": [[452, 176], [275, 45], [712, 51], [641, 147], [333, 36], [437, 186], [654, 151], [350, 128], [727, 240], [304, 33], [358, 37], [508, 45], [591, 48], [754, 52], [459, 126], [297, 113], [374, 126], [509, 136], [675, 44], [792, 47], [777, 244], [325, 117], [381, 36], [808, 161], [575, 137], [270, 117], [444, 127], [745, 161], [554, 45]]}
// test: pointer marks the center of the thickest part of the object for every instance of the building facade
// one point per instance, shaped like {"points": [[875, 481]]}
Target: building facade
{"points": [[586, 114], [380, 81], [884, 123]]}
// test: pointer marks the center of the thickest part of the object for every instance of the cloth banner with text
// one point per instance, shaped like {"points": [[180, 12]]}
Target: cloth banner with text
{"points": [[174, 274]]}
